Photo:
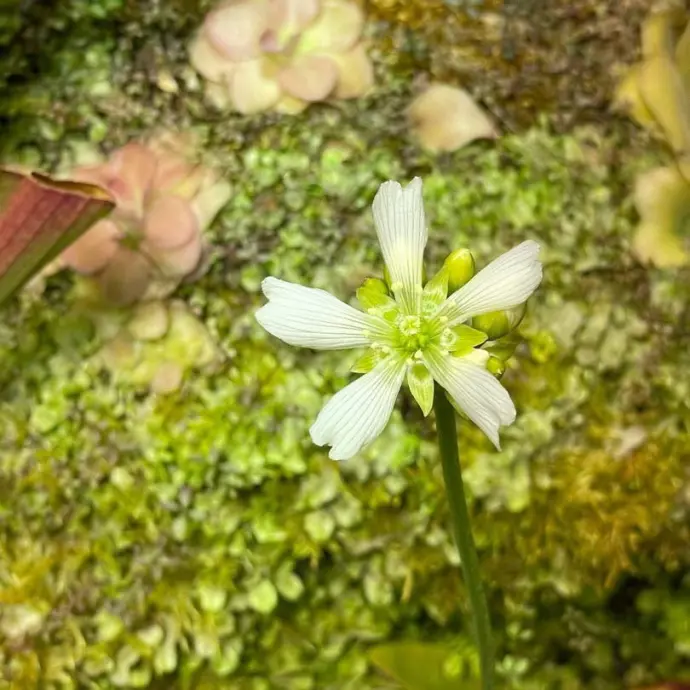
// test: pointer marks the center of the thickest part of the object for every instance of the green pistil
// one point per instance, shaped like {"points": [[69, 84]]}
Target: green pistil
{"points": [[403, 333]]}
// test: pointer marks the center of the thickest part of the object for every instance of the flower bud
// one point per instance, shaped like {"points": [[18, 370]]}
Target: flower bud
{"points": [[495, 366], [496, 324], [460, 266]]}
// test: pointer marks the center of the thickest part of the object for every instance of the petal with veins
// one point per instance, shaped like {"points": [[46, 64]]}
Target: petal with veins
{"points": [[401, 228], [358, 413], [505, 283], [482, 398], [309, 317]]}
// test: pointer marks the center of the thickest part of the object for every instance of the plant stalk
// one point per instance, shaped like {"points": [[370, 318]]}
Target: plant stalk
{"points": [[462, 530]]}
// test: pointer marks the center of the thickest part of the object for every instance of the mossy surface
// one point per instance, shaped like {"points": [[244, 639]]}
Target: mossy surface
{"points": [[199, 539]]}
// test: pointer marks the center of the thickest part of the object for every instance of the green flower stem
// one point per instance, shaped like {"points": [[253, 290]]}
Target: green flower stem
{"points": [[462, 530]]}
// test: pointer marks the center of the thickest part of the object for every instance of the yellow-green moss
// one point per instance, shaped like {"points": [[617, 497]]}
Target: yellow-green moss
{"points": [[199, 540]]}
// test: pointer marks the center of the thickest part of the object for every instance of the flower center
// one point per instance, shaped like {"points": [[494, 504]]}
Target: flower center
{"points": [[409, 334], [414, 333]]}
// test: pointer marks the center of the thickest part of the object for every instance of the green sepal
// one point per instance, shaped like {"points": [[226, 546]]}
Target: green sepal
{"points": [[421, 385], [503, 348], [367, 361], [465, 339], [387, 277], [436, 291], [373, 293]]}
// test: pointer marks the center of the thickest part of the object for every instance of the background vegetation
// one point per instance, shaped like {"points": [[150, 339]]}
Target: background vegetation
{"points": [[199, 540]]}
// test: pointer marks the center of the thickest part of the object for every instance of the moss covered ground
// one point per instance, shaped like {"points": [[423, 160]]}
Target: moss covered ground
{"points": [[199, 540]]}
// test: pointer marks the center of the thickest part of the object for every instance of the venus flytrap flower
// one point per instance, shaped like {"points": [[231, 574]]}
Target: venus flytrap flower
{"points": [[427, 334], [414, 332]]}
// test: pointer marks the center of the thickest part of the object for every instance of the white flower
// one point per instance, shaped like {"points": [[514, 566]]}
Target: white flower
{"points": [[417, 333]]}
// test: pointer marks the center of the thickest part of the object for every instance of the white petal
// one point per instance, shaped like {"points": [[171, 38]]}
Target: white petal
{"points": [[309, 317], [505, 283], [356, 415], [401, 229], [475, 390]]}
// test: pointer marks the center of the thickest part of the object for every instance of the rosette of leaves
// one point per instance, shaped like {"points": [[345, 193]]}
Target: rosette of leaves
{"points": [[281, 55], [154, 238]]}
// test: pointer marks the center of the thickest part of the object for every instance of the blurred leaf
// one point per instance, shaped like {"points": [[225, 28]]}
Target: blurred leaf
{"points": [[39, 218], [662, 198], [664, 93], [419, 666]]}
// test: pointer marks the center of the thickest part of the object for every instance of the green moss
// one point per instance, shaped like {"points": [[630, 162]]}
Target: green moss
{"points": [[199, 540], [191, 534]]}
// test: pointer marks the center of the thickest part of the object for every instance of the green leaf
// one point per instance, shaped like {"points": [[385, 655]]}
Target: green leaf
{"points": [[211, 598], [227, 659], [263, 597], [40, 218], [682, 54], [421, 386], [288, 583], [658, 31], [419, 666]]}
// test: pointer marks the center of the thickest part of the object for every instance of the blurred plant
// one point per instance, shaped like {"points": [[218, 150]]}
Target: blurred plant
{"points": [[190, 498], [656, 93], [11, 16], [419, 666], [282, 54], [623, 500], [445, 118], [154, 238], [416, 14], [155, 344], [39, 217]]}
